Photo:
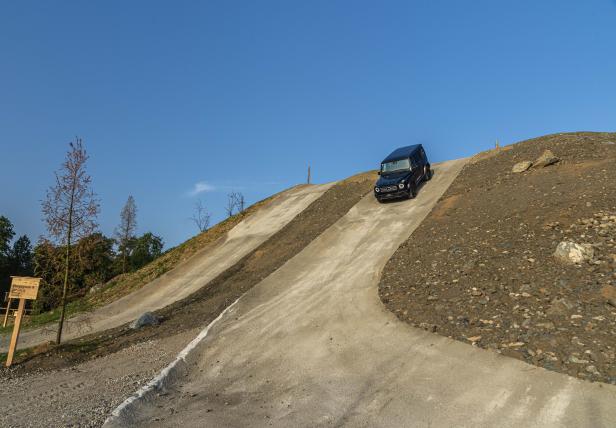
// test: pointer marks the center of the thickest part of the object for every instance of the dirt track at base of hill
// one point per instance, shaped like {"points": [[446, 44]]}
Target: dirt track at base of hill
{"points": [[480, 268], [90, 354]]}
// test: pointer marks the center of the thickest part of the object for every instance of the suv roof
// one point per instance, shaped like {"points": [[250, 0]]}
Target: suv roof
{"points": [[401, 153]]}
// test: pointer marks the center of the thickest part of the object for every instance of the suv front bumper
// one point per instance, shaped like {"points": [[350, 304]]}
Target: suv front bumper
{"points": [[382, 196]]}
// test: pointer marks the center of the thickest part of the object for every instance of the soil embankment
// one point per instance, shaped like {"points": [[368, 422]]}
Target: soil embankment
{"points": [[481, 268]]}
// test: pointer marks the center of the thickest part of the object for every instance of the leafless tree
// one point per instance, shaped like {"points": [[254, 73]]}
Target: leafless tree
{"points": [[230, 207], [70, 209], [201, 216], [238, 201], [126, 230]]}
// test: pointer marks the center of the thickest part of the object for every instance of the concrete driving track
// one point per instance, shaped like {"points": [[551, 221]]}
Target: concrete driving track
{"points": [[190, 275], [312, 345]]}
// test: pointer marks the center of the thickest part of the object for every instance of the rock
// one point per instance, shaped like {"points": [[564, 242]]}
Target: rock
{"points": [[546, 325], [559, 307], [593, 370], [575, 360], [95, 288], [521, 167], [147, 318], [546, 159], [570, 252], [608, 292]]}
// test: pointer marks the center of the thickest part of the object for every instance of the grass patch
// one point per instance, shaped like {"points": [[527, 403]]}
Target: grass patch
{"points": [[34, 321], [19, 355]]}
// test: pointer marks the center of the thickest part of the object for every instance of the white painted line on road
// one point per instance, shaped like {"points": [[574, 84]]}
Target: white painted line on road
{"points": [[160, 378]]}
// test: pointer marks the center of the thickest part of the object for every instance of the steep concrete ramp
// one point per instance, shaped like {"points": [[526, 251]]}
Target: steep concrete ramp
{"points": [[312, 345], [192, 274]]}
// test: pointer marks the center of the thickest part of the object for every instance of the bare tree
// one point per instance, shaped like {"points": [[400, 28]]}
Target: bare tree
{"points": [[126, 230], [70, 209], [230, 207], [201, 216], [237, 199]]}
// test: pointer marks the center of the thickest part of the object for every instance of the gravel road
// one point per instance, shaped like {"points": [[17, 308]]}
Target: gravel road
{"points": [[83, 395]]}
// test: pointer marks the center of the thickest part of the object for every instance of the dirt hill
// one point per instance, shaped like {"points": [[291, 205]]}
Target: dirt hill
{"points": [[481, 268]]}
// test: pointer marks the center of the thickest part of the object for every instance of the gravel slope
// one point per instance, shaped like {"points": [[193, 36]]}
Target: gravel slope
{"points": [[481, 269]]}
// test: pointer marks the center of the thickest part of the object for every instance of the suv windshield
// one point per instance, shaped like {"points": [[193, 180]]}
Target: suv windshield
{"points": [[397, 165]]}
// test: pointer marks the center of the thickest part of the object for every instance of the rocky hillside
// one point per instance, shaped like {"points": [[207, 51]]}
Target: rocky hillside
{"points": [[519, 256]]}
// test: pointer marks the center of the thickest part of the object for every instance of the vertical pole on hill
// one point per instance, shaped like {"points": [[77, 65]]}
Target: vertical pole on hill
{"points": [[15, 336], [308, 181], [6, 314], [497, 145]]}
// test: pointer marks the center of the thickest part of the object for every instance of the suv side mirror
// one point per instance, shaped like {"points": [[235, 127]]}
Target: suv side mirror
{"points": [[379, 172]]}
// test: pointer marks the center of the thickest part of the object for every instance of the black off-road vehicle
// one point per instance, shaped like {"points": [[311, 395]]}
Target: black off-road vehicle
{"points": [[402, 172]]}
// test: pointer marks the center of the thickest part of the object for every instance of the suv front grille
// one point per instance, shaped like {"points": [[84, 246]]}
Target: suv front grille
{"points": [[389, 188]]}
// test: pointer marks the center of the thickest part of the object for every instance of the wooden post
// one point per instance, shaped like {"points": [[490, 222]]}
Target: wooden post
{"points": [[308, 174], [6, 315], [15, 336]]}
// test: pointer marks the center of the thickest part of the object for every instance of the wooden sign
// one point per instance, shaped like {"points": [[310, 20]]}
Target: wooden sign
{"points": [[24, 287]]}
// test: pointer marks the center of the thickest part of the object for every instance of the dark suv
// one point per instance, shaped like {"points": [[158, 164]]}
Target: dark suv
{"points": [[402, 172]]}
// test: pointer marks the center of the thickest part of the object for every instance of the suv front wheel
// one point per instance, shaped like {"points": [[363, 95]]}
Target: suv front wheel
{"points": [[428, 173]]}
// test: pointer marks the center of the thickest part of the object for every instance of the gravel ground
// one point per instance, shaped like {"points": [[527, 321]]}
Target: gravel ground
{"points": [[83, 394], [481, 268]]}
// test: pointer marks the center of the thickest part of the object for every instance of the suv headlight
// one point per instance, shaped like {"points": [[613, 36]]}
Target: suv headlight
{"points": [[401, 185], [377, 190]]}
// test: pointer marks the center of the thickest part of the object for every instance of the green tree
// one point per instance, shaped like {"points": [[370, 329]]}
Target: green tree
{"points": [[6, 235], [21, 257], [92, 264], [49, 265], [145, 249]]}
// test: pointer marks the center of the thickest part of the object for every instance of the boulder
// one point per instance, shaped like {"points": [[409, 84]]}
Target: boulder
{"points": [[521, 167], [147, 318], [608, 292], [546, 159], [570, 252]]}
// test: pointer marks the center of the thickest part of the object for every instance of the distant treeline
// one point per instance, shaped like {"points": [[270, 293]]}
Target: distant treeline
{"points": [[95, 259]]}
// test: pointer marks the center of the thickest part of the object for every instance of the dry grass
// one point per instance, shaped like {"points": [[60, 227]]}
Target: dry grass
{"points": [[124, 284]]}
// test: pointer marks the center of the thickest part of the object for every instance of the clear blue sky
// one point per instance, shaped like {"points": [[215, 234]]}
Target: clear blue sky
{"points": [[245, 94]]}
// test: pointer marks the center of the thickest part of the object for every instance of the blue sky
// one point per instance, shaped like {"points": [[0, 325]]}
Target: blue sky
{"points": [[183, 100]]}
